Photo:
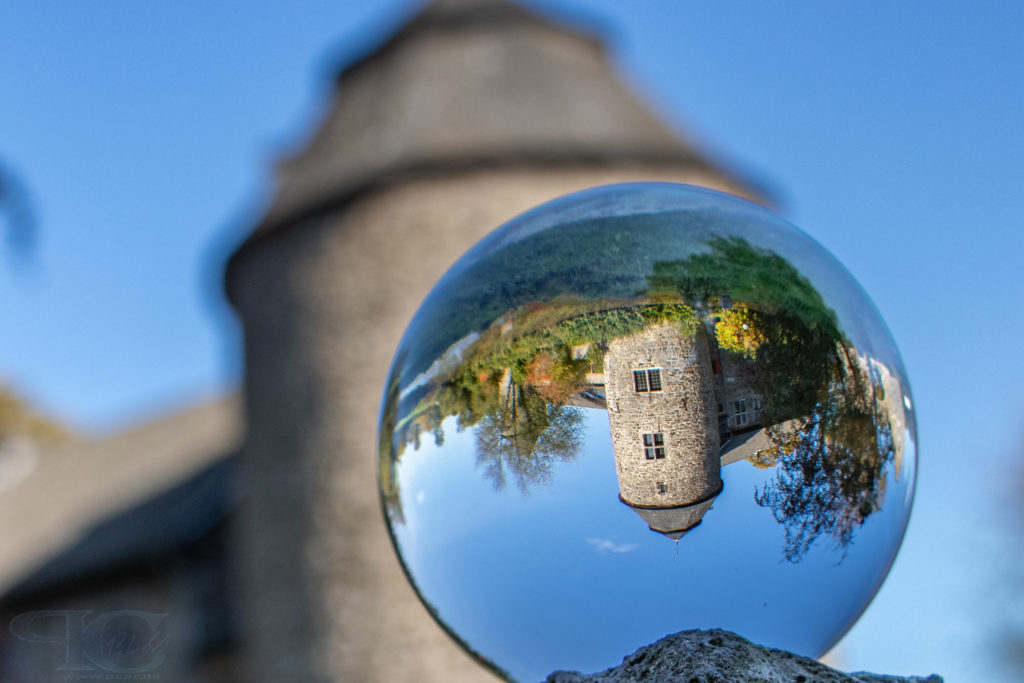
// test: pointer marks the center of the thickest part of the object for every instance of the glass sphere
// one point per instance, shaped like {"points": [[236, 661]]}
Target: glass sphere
{"points": [[642, 409]]}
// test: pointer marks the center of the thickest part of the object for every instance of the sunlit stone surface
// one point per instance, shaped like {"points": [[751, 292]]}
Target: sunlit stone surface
{"points": [[638, 410]]}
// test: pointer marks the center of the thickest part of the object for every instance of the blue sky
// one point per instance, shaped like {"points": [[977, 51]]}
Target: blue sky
{"points": [[491, 562], [890, 132]]}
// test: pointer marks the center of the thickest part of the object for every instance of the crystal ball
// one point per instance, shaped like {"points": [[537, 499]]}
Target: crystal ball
{"points": [[642, 409]]}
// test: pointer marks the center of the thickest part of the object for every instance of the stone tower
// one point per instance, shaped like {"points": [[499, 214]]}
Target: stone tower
{"points": [[661, 412], [473, 112]]}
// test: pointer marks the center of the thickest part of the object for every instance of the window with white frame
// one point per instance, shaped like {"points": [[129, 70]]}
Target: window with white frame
{"points": [[654, 446], [647, 380], [741, 412]]}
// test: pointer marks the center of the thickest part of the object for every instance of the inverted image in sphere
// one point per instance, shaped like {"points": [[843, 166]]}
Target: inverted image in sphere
{"points": [[642, 409]]}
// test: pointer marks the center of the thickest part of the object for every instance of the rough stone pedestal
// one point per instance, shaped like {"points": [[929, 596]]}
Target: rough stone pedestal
{"points": [[721, 657]]}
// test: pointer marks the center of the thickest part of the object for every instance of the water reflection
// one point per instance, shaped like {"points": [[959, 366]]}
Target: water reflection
{"points": [[699, 341]]}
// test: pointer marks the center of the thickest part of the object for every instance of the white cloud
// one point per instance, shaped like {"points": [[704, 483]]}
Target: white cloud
{"points": [[604, 545], [420, 497]]}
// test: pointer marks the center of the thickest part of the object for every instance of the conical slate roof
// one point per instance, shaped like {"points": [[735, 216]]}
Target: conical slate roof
{"points": [[469, 84], [674, 522]]}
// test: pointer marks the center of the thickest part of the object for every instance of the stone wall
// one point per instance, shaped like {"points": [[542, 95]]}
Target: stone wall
{"points": [[683, 412]]}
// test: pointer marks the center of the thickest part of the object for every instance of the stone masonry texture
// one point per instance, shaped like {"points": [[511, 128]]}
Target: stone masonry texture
{"points": [[683, 412], [721, 657]]}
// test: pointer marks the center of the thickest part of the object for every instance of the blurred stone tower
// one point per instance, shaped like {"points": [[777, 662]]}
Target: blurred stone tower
{"points": [[473, 112], [661, 412]]}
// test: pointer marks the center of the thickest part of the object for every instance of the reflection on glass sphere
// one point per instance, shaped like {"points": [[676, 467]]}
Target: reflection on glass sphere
{"points": [[642, 409]]}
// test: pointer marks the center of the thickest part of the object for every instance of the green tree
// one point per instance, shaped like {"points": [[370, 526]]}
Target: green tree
{"points": [[830, 467], [16, 418], [739, 330], [526, 439], [791, 335], [17, 211], [758, 278]]}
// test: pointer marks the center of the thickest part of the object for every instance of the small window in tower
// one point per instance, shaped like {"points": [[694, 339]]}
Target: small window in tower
{"points": [[662, 487], [654, 379], [654, 446], [647, 380], [640, 380]]}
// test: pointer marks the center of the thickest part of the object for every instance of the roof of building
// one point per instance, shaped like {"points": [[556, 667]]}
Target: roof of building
{"points": [[105, 502], [470, 84], [145, 534], [674, 522], [745, 445]]}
